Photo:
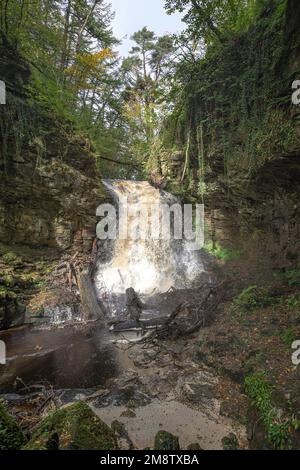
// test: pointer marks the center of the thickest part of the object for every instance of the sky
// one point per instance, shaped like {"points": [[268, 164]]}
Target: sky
{"points": [[132, 15]]}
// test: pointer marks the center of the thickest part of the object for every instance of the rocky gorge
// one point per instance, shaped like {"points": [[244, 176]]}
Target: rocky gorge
{"points": [[216, 372]]}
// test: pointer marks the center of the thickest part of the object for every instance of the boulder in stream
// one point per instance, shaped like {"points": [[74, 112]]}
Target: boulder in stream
{"points": [[74, 427]]}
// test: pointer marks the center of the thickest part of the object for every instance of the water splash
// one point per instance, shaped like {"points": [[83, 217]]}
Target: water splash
{"points": [[149, 266]]}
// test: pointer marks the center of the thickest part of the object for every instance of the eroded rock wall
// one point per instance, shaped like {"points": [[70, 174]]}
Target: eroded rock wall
{"points": [[240, 99], [49, 192]]}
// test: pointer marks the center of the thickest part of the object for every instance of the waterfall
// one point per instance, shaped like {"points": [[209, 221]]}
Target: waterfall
{"points": [[149, 266]]}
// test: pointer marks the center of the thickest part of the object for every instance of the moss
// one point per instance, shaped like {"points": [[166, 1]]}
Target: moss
{"points": [[11, 258], [75, 427], [166, 441], [5, 293], [250, 299], [288, 337], [119, 428], [194, 446], [230, 442], [224, 254], [11, 436], [292, 302], [290, 277]]}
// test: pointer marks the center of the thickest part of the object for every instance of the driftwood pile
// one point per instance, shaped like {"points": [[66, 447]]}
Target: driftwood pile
{"points": [[187, 318], [75, 273]]}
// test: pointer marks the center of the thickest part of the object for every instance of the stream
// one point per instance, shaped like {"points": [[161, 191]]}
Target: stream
{"points": [[146, 388]]}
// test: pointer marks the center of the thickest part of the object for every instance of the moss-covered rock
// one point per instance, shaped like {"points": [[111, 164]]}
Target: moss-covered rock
{"points": [[194, 446], [11, 436], [230, 442], [166, 441], [12, 312], [75, 427]]}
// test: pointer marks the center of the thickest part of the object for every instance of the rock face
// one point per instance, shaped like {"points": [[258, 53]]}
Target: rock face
{"points": [[12, 313], [49, 192], [53, 205], [73, 428], [11, 436], [250, 171], [49, 186]]}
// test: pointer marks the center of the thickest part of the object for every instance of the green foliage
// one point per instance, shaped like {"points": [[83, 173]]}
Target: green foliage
{"points": [[166, 441], [229, 90], [289, 336], [216, 21], [5, 293], [224, 254], [75, 77], [11, 258], [290, 277], [146, 77], [11, 436], [277, 428], [141, 109], [230, 442], [293, 302]]}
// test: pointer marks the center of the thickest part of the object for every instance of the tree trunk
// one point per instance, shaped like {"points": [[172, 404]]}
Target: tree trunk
{"points": [[85, 22], [187, 156], [64, 56]]}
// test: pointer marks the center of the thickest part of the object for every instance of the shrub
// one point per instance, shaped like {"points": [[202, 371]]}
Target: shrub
{"points": [[11, 436], [277, 428], [11, 258], [251, 298], [293, 302], [291, 277], [288, 337]]}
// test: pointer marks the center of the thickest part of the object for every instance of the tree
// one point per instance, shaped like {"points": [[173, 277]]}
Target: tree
{"points": [[75, 74], [145, 41], [146, 75], [215, 20]]}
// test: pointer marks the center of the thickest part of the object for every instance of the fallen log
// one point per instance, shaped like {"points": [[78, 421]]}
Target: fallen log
{"points": [[132, 325], [187, 319]]}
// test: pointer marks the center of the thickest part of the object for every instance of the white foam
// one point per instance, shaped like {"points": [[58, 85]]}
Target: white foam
{"points": [[146, 265]]}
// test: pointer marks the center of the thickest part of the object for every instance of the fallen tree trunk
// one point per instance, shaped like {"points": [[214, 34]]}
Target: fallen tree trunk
{"points": [[118, 162], [187, 318], [91, 306]]}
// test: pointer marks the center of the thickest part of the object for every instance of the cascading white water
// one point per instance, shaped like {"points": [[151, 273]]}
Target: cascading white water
{"points": [[146, 265]]}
